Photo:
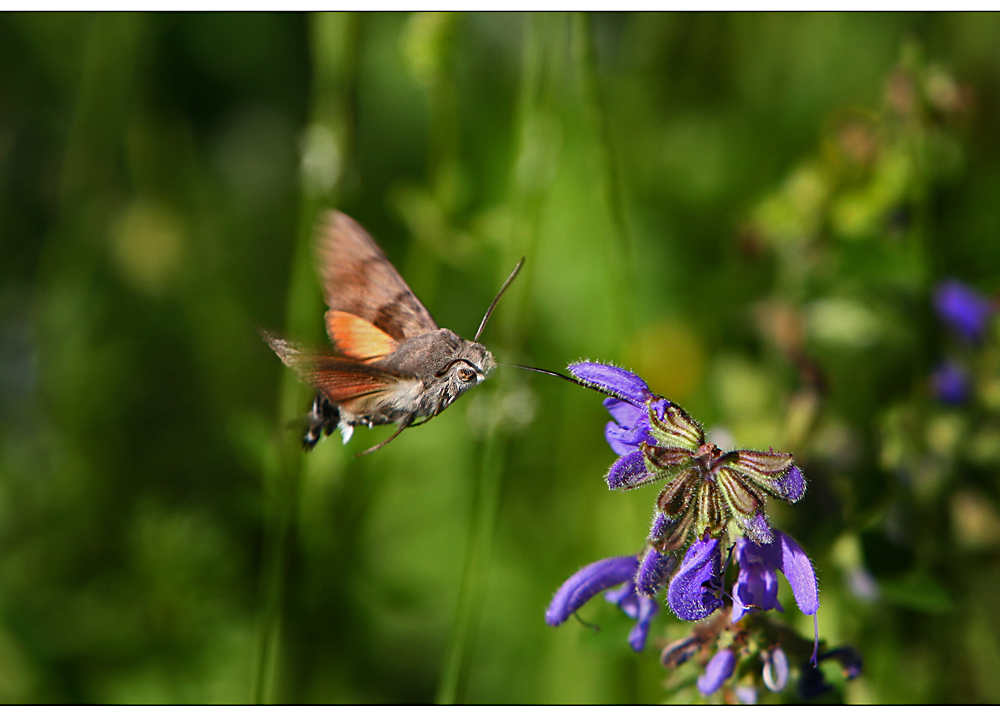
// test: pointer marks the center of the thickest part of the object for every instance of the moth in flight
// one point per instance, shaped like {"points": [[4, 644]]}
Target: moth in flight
{"points": [[392, 362]]}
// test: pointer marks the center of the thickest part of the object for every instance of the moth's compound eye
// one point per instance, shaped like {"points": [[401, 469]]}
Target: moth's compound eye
{"points": [[466, 374]]}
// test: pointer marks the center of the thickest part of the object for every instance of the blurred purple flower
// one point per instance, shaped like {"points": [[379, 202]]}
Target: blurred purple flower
{"points": [[746, 694], [950, 383], [694, 590], [600, 576], [962, 308], [718, 670]]}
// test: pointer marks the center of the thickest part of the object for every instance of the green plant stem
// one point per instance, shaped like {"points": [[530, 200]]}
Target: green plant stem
{"points": [[333, 45], [455, 676]]}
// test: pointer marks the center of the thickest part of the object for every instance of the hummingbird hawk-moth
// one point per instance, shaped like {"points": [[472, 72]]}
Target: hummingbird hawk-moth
{"points": [[392, 363]]}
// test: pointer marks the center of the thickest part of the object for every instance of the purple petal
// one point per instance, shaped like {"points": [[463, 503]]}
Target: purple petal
{"points": [[625, 414], [612, 381], [718, 670], [628, 471], [791, 486], [757, 583], [625, 598], [687, 594], [624, 440], [963, 308], [653, 571], [775, 671], [640, 631], [586, 583], [798, 569]]}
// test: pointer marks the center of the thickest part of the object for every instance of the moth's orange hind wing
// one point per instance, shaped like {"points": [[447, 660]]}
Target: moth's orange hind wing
{"points": [[356, 338]]}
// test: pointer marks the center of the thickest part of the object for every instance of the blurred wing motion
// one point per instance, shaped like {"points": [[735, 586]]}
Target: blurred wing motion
{"points": [[343, 380], [372, 310]]}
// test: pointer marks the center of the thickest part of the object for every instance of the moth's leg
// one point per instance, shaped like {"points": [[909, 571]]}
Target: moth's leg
{"points": [[414, 424], [403, 425], [323, 418]]}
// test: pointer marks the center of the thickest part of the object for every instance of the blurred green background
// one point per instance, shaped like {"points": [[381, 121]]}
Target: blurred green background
{"points": [[750, 210]]}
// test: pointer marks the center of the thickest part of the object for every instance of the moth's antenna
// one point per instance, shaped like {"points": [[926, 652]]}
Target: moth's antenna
{"points": [[499, 294], [550, 373]]}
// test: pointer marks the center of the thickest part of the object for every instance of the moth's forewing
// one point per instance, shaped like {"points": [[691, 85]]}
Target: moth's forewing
{"points": [[676, 430], [358, 279]]}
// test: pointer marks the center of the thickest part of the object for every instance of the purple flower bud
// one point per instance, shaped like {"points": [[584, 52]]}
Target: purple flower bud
{"points": [[586, 583], [653, 571], [962, 308], [791, 486], [718, 670], [775, 671], [756, 527], [662, 524], [950, 383], [628, 471], [693, 591], [612, 381]]}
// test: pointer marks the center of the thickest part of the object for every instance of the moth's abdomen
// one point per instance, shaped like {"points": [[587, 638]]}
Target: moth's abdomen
{"points": [[323, 418]]}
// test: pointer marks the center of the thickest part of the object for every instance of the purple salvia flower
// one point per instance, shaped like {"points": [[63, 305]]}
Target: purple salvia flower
{"points": [[718, 670], [757, 583], [962, 308], [950, 383], [775, 671], [586, 583], [654, 568], [600, 576], [613, 381], [693, 591]]}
